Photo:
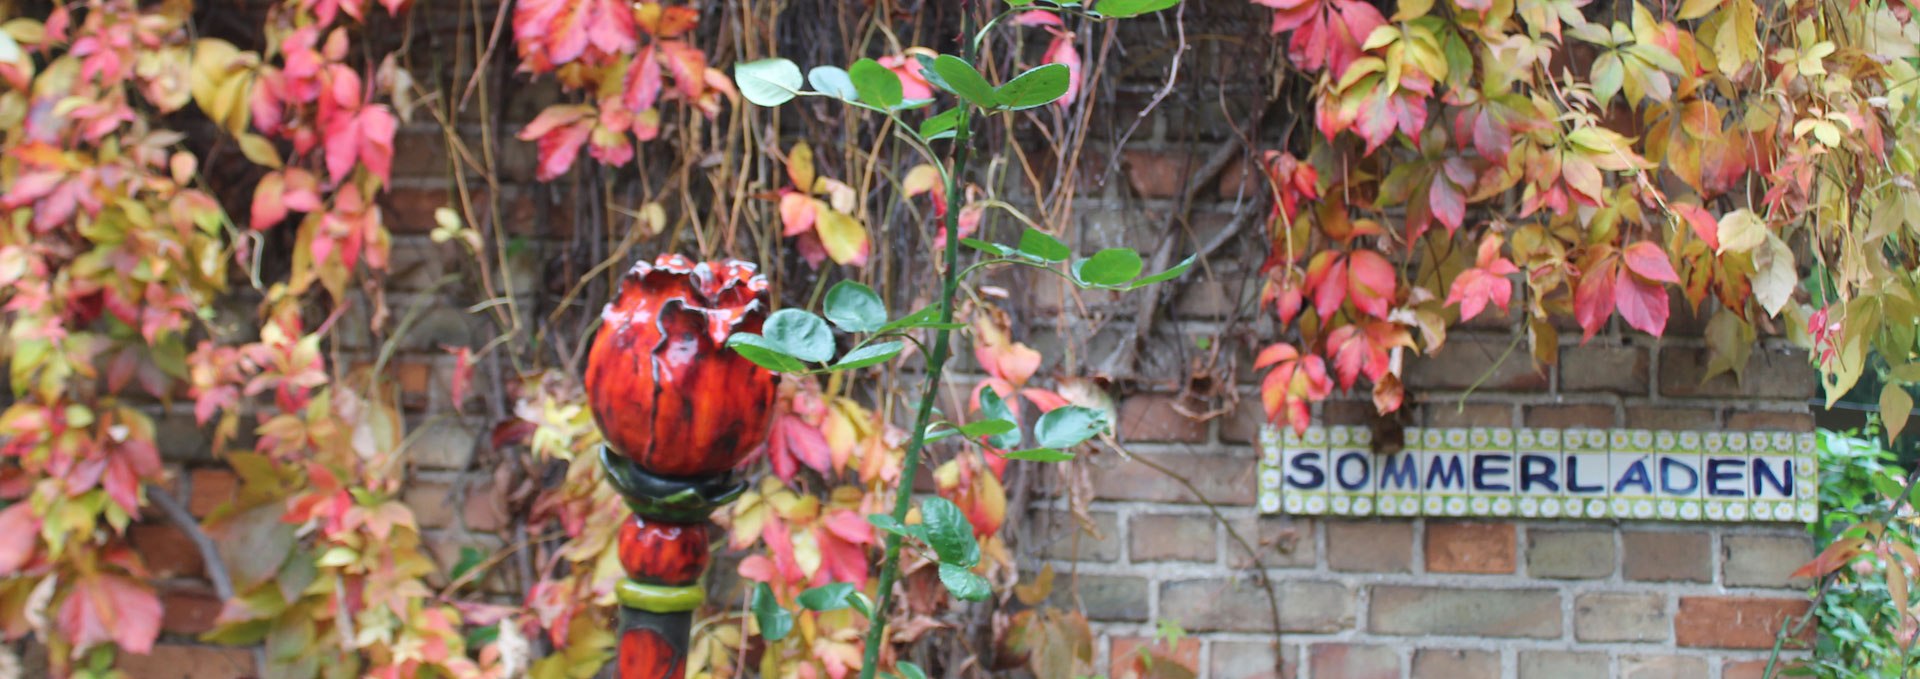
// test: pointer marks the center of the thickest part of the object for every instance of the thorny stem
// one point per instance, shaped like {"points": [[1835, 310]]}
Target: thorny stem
{"points": [[936, 364]]}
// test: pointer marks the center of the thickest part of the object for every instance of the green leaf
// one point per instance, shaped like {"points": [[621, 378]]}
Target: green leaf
{"points": [[959, 77], [1043, 246], [994, 427], [1112, 266], [949, 532], [888, 524], [941, 125], [876, 84], [964, 584], [909, 670], [1037, 87], [986, 247], [767, 82], [926, 72], [834, 82], [470, 557], [764, 354], [1068, 426], [871, 354], [829, 597], [1171, 273], [996, 409], [854, 307], [1122, 9], [799, 334], [1040, 455], [775, 622]]}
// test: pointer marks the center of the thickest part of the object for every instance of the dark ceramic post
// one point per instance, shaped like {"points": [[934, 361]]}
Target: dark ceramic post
{"points": [[678, 410]]}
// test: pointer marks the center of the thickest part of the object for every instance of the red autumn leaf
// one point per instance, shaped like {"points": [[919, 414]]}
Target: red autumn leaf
{"points": [[1293, 382], [1486, 282], [561, 130], [1593, 298], [19, 527], [1702, 223], [1013, 362], [462, 374], [364, 136], [1061, 51], [643, 81], [1833, 558], [688, 65], [554, 32], [1326, 33], [1642, 304], [912, 84], [1364, 277], [1364, 348], [104, 608], [792, 443], [843, 536], [1648, 261]]}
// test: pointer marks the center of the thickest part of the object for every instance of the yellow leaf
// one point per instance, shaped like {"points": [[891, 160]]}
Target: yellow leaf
{"points": [[1412, 9], [844, 237], [1694, 9], [257, 149], [1896, 405], [921, 179], [1741, 231], [800, 166], [806, 552]]}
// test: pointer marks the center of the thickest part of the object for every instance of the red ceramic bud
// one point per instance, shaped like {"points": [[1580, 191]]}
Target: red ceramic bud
{"points": [[664, 388]]}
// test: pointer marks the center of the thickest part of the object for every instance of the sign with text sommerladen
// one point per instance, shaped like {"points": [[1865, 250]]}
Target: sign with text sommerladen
{"points": [[1542, 473]]}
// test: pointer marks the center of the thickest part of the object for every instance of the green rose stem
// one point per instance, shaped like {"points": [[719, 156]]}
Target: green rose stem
{"points": [[936, 364]]}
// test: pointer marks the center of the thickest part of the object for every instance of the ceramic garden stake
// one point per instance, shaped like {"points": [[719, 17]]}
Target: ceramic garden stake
{"points": [[678, 410]]}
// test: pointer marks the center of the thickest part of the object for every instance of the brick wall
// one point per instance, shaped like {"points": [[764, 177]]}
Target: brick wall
{"points": [[1360, 599]]}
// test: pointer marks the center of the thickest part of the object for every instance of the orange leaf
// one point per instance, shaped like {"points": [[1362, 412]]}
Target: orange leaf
{"points": [[1832, 558]]}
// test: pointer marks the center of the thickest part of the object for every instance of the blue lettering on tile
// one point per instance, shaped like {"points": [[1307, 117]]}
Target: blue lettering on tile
{"points": [[1726, 476], [1672, 469], [1536, 471], [1491, 465], [1447, 472], [1636, 476], [1341, 476]]}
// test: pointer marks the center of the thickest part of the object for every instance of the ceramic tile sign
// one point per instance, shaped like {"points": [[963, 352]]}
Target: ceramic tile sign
{"points": [[1626, 474]]}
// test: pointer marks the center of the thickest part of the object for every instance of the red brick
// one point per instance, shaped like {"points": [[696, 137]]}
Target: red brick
{"points": [[1671, 417], [1447, 663], [1171, 537], [1454, 547], [1662, 667], [484, 510], [1756, 669], [1277, 541], [1570, 416], [166, 550], [1061, 535], [1370, 546], [211, 488], [1252, 660], [168, 661], [1765, 560], [1353, 661], [1596, 368], [1152, 417], [1769, 374], [1660, 556], [1224, 479], [1239, 605], [1407, 610], [1242, 425], [1125, 656], [1159, 174], [432, 503], [1769, 420], [1449, 414], [1735, 622], [410, 210], [1554, 664], [1468, 363], [188, 611], [414, 377]]}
